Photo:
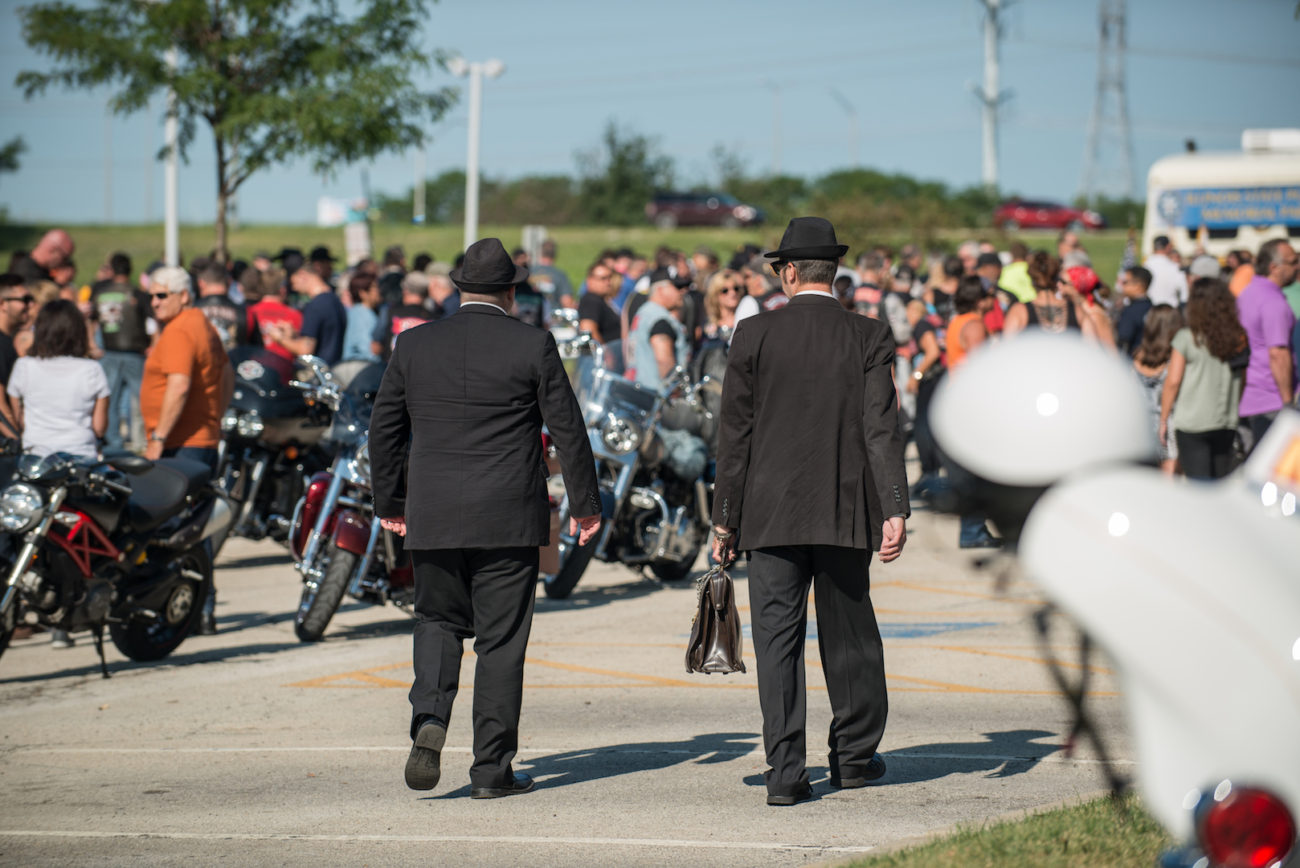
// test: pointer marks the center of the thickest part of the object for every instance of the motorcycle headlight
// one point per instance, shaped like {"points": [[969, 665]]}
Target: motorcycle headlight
{"points": [[250, 425], [619, 435], [21, 508], [229, 421]]}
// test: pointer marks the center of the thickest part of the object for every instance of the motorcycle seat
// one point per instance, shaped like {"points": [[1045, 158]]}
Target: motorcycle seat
{"points": [[157, 493]]}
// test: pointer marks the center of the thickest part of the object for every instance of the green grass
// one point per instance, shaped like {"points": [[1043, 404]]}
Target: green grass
{"points": [[1097, 833], [578, 245]]}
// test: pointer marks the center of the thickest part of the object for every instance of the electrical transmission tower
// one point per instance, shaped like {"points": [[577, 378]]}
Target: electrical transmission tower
{"points": [[1109, 139], [989, 95]]}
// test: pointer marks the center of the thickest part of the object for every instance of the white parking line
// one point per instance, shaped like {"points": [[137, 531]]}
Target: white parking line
{"points": [[435, 839], [901, 754]]}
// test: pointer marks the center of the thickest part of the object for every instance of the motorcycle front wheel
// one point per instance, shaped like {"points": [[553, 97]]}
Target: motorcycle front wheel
{"points": [[677, 570], [8, 623], [318, 605], [144, 641], [573, 563]]}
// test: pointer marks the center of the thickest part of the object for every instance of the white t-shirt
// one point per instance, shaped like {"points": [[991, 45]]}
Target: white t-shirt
{"points": [[1168, 283], [59, 398]]}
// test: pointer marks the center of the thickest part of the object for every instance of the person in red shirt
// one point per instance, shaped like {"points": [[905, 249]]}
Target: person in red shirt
{"points": [[265, 297]]}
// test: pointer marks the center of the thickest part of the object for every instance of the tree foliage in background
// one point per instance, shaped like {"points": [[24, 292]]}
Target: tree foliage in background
{"points": [[10, 151], [1120, 213], [273, 80], [620, 176]]}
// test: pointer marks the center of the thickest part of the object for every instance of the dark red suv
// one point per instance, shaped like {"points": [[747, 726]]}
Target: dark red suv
{"points": [[669, 210], [1036, 214]]}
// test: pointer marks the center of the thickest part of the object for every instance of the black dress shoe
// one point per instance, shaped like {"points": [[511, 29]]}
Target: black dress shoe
{"points": [[522, 784], [423, 766], [785, 801], [875, 771]]}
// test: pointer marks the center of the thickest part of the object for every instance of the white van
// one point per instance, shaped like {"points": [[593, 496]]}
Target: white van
{"points": [[1240, 199]]}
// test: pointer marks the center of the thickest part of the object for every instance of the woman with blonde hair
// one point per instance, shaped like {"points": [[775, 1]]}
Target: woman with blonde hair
{"points": [[722, 296]]}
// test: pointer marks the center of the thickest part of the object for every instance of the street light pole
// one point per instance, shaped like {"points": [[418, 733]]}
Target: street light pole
{"points": [[460, 67], [171, 172]]}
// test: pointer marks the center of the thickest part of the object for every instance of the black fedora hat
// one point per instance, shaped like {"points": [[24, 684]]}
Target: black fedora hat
{"points": [[487, 267], [322, 254], [809, 238]]}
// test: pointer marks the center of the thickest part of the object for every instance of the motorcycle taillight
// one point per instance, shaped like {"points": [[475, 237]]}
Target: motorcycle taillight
{"points": [[1244, 827]]}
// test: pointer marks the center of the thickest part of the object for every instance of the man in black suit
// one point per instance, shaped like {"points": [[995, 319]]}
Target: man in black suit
{"points": [[810, 478], [467, 396]]}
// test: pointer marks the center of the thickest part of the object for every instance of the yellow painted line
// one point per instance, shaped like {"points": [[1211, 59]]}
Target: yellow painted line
{"points": [[1101, 670]]}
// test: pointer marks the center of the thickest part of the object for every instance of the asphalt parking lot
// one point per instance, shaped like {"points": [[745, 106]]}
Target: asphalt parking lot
{"points": [[251, 748]]}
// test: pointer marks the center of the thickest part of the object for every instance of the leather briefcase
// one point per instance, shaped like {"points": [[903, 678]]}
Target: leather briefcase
{"points": [[715, 643]]}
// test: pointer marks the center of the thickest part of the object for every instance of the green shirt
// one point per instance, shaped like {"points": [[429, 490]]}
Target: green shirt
{"points": [[1292, 294], [1015, 280], [1210, 392]]}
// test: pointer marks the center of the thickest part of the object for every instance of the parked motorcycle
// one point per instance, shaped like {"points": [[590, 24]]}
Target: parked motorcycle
{"points": [[122, 544], [652, 517], [1188, 586], [271, 437], [335, 537]]}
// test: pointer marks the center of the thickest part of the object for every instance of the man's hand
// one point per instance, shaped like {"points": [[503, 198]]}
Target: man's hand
{"points": [[584, 528], [724, 544], [396, 525], [895, 534], [153, 450]]}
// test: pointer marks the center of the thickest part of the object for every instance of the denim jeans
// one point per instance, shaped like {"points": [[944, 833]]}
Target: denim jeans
{"points": [[972, 529], [124, 372]]}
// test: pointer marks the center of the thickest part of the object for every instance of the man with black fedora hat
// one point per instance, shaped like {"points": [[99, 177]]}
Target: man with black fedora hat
{"points": [[810, 479], [456, 457]]}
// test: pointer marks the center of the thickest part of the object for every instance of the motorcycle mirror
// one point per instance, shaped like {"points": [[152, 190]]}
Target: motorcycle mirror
{"points": [[564, 316]]}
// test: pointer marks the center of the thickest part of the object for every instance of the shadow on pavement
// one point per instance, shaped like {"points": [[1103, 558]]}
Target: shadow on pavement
{"points": [[590, 598], [256, 561], [183, 658], [1001, 755], [597, 763]]}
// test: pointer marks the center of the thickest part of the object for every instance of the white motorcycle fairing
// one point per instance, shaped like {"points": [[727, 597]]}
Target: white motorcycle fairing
{"points": [[1194, 592]]}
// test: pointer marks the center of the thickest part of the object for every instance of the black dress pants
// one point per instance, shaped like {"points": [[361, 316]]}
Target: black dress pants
{"points": [[852, 657], [486, 594]]}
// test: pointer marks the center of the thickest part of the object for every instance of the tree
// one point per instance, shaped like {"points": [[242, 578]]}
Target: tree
{"points": [[620, 177], [10, 151], [272, 79]]}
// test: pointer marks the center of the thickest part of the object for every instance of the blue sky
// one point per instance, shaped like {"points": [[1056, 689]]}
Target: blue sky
{"points": [[694, 74]]}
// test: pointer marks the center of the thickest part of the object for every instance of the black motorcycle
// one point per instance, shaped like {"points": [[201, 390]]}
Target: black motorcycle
{"points": [[271, 437], [125, 544]]}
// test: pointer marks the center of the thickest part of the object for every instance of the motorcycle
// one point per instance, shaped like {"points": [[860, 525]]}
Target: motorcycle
{"points": [[1189, 588], [652, 517], [335, 537], [271, 437], [125, 544]]}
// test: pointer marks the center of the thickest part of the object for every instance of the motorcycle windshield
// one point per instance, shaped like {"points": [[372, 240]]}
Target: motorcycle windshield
{"points": [[262, 383], [353, 416], [610, 393]]}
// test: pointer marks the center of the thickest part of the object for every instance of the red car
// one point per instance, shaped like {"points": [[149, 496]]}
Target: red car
{"points": [[1027, 214]]}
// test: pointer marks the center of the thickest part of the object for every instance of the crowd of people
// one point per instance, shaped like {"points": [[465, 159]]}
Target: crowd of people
{"points": [[1214, 344]]}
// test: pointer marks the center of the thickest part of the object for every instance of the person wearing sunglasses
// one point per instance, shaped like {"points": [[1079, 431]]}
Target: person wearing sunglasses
{"points": [[16, 307], [721, 298]]}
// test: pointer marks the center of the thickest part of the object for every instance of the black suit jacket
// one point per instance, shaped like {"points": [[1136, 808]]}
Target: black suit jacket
{"points": [[469, 394], [809, 451]]}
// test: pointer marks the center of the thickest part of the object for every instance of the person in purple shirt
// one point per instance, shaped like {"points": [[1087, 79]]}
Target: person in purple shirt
{"points": [[1268, 320]]}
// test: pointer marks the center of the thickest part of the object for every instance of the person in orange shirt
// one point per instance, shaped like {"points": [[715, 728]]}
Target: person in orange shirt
{"points": [[966, 331], [187, 378], [186, 386], [1241, 265]]}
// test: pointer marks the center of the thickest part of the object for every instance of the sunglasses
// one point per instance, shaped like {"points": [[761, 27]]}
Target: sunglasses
{"points": [[735, 289], [777, 266], [161, 296], [25, 299]]}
